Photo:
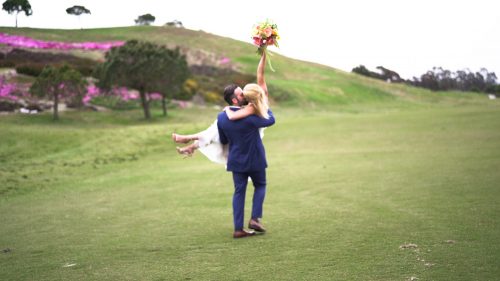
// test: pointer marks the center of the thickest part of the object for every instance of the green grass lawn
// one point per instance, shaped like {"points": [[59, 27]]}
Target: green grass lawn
{"points": [[104, 196]]}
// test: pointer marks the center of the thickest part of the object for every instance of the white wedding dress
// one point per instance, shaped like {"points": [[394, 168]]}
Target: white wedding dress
{"points": [[209, 144]]}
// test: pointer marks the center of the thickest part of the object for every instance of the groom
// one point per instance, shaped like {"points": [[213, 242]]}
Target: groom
{"points": [[246, 157]]}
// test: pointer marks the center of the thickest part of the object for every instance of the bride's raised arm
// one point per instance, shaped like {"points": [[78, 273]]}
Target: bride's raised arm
{"points": [[261, 81]]}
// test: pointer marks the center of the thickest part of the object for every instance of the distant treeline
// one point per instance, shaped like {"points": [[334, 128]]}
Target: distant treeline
{"points": [[439, 79]]}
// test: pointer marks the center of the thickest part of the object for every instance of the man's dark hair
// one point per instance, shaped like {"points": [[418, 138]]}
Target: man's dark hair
{"points": [[229, 93]]}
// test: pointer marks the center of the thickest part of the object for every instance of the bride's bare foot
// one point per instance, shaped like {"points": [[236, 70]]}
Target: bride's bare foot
{"points": [[180, 138], [187, 151]]}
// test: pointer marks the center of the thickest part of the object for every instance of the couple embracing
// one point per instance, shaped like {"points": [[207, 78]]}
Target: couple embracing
{"points": [[235, 139]]}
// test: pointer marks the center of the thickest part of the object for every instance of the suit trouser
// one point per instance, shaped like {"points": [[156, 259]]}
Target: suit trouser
{"points": [[240, 188]]}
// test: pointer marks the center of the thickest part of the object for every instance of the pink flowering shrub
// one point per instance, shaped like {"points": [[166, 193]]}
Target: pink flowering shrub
{"points": [[116, 98], [7, 90], [27, 42], [225, 60], [13, 95], [92, 92], [155, 96], [125, 94]]}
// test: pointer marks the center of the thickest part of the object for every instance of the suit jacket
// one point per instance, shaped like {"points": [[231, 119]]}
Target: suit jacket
{"points": [[246, 151]]}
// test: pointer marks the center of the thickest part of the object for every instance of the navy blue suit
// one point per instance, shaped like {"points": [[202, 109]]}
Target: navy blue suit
{"points": [[247, 158]]}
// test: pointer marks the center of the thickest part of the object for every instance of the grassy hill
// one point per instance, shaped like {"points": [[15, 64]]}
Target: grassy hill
{"points": [[296, 82], [366, 181]]}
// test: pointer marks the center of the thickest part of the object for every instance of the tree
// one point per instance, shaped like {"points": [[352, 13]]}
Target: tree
{"points": [[387, 74], [17, 6], [445, 79], [361, 69], [59, 83], [176, 76], [146, 67], [463, 80], [146, 19], [429, 80], [77, 11], [491, 84], [175, 23]]}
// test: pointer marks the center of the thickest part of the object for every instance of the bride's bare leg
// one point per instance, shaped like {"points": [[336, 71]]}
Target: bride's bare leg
{"points": [[183, 138], [188, 150]]}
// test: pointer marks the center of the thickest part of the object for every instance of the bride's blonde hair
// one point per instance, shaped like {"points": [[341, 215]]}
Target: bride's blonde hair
{"points": [[254, 94]]}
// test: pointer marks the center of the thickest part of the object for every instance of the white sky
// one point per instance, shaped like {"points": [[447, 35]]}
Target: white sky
{"points": [[408, 36]]}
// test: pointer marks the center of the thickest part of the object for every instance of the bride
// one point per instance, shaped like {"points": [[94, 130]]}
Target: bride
{"points": [[253, 99]]}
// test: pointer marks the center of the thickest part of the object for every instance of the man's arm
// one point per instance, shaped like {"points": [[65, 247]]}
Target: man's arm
{"points": [[222, 137], [261, 81], [260, 122]]}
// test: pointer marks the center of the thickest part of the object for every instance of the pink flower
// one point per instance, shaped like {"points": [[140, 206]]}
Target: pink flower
{"points": [[86, 99], [257, 41], [268, 31], [92, 90]]}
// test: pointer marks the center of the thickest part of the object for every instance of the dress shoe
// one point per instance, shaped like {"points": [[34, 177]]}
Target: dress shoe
{"points": [[256, 225], [243, 233]]}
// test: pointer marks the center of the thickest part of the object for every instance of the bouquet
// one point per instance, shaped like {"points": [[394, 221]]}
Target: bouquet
{"points": [[265, 34]]}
